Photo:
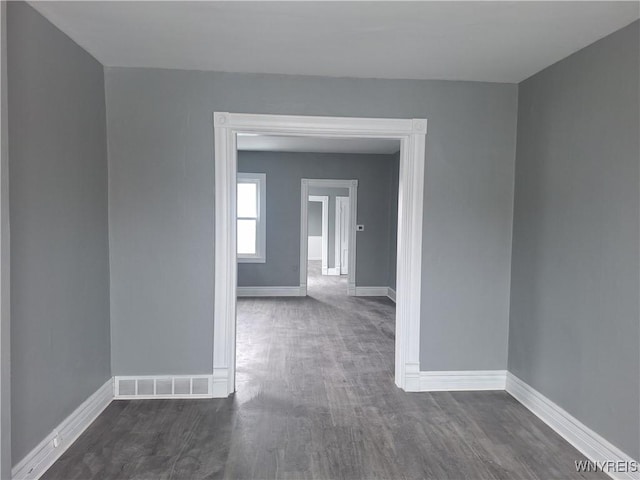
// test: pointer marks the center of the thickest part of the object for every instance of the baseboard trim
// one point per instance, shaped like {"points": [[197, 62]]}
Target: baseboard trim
{"points": [[269, 292], [588, 442], [372, 291], [222, 386], [592, 445], [391, 293], [38, 460], [141, 387], [462, 380]]}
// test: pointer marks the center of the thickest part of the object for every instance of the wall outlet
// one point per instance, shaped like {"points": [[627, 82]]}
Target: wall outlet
{"points": [[359, 228]]}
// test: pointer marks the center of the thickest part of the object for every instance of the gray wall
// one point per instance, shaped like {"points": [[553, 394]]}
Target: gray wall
{"points": [[315, 219], [284, 174], [573, 331], [5, 260], [58, 212], [162, 195], [332, 193]]}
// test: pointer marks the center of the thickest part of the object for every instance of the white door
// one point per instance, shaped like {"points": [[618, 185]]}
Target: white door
{"points": [[342, 234]]}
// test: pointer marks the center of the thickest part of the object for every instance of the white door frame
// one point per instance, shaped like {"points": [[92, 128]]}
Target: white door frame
{"points": [[324, 200], [338, 235], [352, 185], [412, 136]]}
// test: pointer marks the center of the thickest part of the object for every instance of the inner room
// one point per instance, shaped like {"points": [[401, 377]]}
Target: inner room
{"points": [[317, 261]]}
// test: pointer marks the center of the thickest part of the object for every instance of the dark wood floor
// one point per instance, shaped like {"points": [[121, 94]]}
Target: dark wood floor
{"points": [[316, 399]]}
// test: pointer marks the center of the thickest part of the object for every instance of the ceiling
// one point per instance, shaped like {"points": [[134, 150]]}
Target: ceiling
{"points": [[479, 41], [272, 143]]}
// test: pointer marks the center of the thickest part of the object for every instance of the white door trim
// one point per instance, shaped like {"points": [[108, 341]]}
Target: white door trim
{"points": [[324, 199], [338, 237], [412, 136], [352, 185]]}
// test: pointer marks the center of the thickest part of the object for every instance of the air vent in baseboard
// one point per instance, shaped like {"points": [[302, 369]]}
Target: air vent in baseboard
{"points": [[163, 386]]}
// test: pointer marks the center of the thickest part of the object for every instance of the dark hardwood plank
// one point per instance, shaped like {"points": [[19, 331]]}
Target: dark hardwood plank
{"points": [[316, 399]]}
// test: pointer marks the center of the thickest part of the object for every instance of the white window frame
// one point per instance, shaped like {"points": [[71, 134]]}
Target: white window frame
{"points": [[260, 180]]}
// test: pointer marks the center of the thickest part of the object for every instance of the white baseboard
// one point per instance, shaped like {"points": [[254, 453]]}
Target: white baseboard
{"points": [[391, 293], [462, 380], [270, 292], [38, 460], [372, 291], [412, 377], [140, 387], [592, 445], [222, 385], [588, 442]]}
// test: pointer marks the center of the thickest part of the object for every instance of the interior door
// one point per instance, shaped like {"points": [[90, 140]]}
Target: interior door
{"points": [[343, 223]]}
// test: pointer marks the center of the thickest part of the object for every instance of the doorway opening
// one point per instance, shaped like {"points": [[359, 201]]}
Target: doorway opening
{"points": [[338, 234], [328, 253], [318, 231], [412, 136]]}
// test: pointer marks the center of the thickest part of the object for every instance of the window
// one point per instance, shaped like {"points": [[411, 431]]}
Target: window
{"points": [[251, 208]]}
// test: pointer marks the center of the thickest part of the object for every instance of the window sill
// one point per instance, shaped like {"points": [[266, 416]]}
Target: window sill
{"points": [[252, 260]]}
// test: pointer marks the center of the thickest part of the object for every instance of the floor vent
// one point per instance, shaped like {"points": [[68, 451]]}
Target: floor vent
{"points": [[163, 386]]}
